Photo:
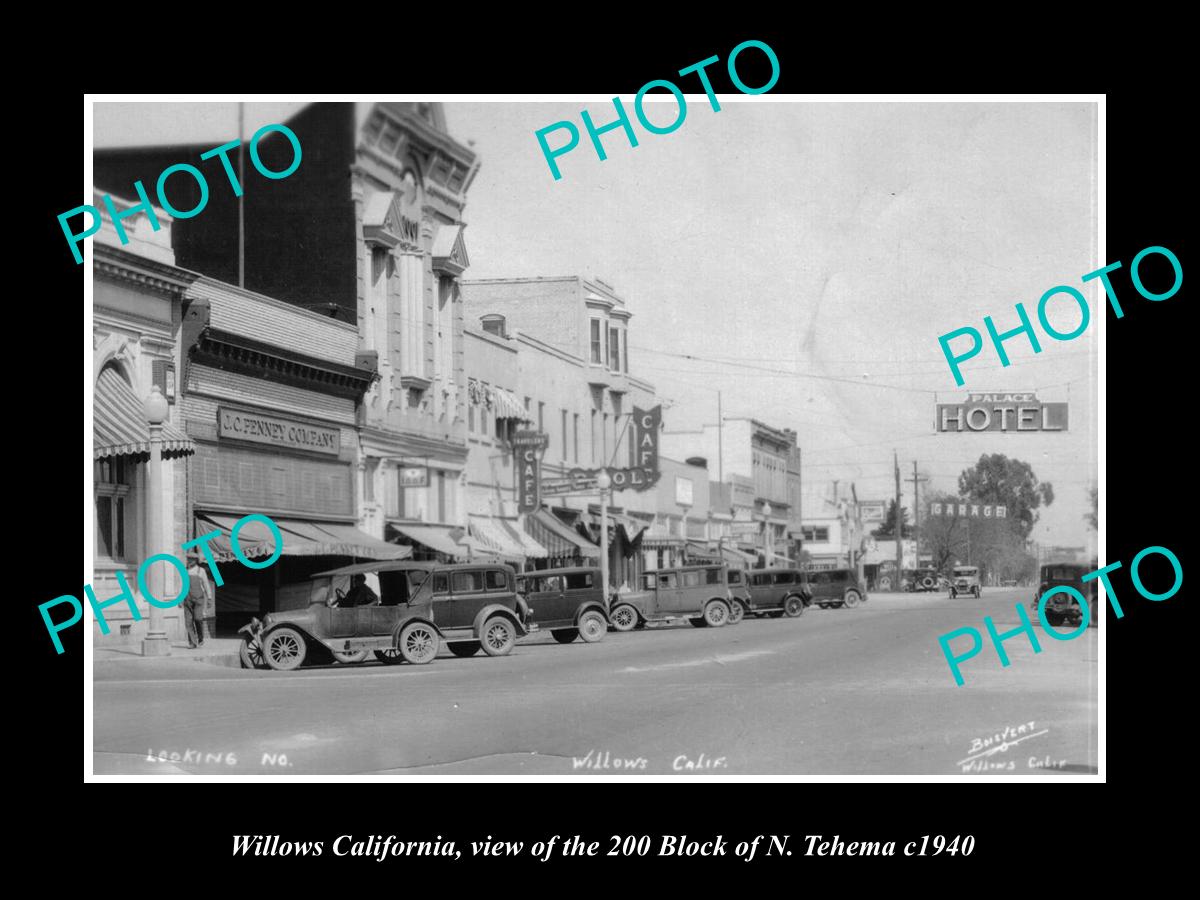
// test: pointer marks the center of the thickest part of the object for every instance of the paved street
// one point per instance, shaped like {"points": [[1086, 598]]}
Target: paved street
{"points": [[863, 691]]}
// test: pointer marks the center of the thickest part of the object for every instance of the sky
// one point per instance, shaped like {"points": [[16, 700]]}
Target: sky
{"points": [[809, 255]]}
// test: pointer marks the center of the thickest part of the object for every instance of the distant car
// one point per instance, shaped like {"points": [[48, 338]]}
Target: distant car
{"points": [[468, 606], [965, 580], [569, 603], [922, 580], [699, 594], [777, 592], [1062, 608], [836, 588]]}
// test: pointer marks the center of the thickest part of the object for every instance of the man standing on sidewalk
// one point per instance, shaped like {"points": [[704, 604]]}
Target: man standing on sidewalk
{"points": [[200, 594]]}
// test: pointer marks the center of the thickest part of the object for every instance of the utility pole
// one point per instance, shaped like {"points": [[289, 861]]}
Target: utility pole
{"points": [[916, 483], [898, 529], [241, 198]]}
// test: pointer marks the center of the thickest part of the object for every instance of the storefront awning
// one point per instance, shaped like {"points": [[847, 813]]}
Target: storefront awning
{"points": [[119, 425], [494, 538], [435, 537], [558, 538], [657, 536], [300, 538], [533, 550], [507, 406], [724, 553], [633, 527]]}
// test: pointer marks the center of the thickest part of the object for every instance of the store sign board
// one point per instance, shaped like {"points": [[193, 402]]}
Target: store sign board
{"points": [[968, 510], [260, 428], [528, 447]]}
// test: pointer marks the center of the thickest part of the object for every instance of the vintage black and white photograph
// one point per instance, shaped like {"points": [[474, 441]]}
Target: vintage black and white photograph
{"points": [[482, 437]]}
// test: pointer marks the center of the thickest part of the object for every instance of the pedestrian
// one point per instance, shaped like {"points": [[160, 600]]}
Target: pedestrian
{"points": [[195, 606]]}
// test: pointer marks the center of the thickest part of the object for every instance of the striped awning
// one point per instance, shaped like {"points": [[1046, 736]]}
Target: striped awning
{"points": [[119, 425], [507, 406], [436, 537], [488, 532], [558, 538], [300, 538], [533, 550]]}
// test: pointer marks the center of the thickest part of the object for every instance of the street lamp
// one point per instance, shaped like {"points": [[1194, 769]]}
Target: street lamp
{"points": [[155, 409], [604, 482], [767, 555]]}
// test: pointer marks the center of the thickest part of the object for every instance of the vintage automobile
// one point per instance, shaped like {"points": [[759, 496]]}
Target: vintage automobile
{"points": [[1062, 608], [922, 580], [569, 603], [739, 590], [777, 591], [836, 588], [965, 580], [420, 605], [697, 593]]}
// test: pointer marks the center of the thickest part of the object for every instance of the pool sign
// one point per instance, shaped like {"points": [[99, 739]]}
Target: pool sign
{"points": [[1001, 412]]}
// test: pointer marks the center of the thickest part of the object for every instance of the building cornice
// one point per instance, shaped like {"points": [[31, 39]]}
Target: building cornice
{"points": [[115, 264]]}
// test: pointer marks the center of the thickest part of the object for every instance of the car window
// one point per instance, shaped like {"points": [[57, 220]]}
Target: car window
{"points": [[822, 578], [734, 576], [691, 579], [666, 580], [466, 582], [785, 578], [648, 581], [713, 576], [496, 580], [441, 584], [579, 580]]}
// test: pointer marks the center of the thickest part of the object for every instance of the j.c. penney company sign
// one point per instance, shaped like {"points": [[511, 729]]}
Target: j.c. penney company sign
{"points": [[259, 428]]}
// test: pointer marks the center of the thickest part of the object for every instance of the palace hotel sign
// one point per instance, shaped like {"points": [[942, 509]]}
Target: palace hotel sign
{"points": [[1002, 412]]}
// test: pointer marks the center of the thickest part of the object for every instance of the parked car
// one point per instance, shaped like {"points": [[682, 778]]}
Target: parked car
{"points": [[419, 605], [965, 580], [922, 580], [570, 603], [836, 588], [739, 590], [1062, 608], [776, 592], [699, 594]]}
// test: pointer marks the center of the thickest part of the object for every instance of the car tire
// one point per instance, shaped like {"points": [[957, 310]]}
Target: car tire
{"points": [[953, 594], [737, 612], [464, 649], [498, 636], [418, 643], [716, 613], [853, 598], [565, 635], [624, 617], [592, 627], [284, 649], [251, 655], [389, 657], [793, 607], [351, 658]]}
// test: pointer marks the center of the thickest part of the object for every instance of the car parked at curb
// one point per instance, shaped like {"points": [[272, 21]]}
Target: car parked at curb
{"points": [[1063, 608], [921, 580], [698, 593], [420, 605], [569, 602], [778, 592], [836, 588]]}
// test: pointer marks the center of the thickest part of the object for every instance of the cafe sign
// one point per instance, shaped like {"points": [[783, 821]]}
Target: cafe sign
{"points": [[528, 447], [1001, 412], [288, 434], [641, 476]]}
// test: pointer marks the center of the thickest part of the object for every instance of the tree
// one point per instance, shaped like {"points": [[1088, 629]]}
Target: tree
{"points": [[941, 536], [1092, 516], [887, 530], [996, 479]]}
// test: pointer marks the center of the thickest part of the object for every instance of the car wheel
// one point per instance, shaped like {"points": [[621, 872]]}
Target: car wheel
{"points": [[592, 627], [251, 655], [852, 599], [284, 649], [418, 643], [464, 648], [389, 657], [499, 636], [565, 635], [355, 656], [716, 613], [793, 607], [953, 594], [737, 612], [624, 617]]}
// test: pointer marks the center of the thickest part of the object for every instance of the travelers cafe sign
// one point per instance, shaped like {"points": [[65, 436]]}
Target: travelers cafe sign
{"points": [[1002, 412], [639, 477], [528, 447]]}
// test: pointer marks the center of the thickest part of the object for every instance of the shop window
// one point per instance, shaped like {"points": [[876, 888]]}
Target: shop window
{"points": [[614, 349], [112, 477], [575, 436], [471, 418]]}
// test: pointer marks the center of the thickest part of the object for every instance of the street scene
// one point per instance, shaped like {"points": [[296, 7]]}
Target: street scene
{"points": [[655, 466]]}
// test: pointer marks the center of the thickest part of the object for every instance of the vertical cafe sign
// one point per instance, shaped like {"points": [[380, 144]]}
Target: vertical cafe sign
{"points": [[528, 447]]}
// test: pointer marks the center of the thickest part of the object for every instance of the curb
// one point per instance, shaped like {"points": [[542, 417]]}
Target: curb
{"points": [[228, 660]]}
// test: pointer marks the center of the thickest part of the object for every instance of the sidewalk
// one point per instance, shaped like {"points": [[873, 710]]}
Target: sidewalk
{"points": [[214, 651]]}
